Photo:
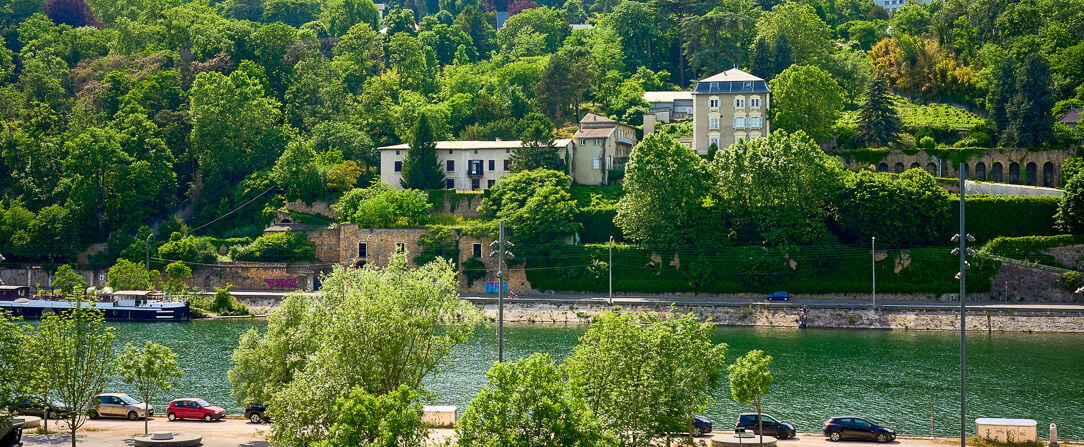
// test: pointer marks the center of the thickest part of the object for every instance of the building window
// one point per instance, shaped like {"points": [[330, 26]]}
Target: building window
{"points": [[397, 152], [597, 141], [475, 183], [713, 140], [596, 163], [476, 250], [713, 103], [449, 152], [739, 123], [449, 166], [398, 166], [739, 102], [400, 247], [754, 122], [449, 183], [492, 165], [508, 165], [754, 102], [713, 123], [508, 151], [476, 151], [363, 249], [583, 142], [489, 183], [476, 167]]}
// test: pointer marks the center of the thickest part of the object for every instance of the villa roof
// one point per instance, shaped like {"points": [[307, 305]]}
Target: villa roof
{"points": [[594, 132], [463, 145], [668, 96], [1072, 116], [731, 81]]}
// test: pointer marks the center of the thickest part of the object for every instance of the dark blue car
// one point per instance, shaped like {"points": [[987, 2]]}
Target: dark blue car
{"points": [[855, 427], [781, 295]]}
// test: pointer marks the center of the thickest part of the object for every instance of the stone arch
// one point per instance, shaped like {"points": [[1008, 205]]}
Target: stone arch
{"points": [[980, 170], [1048, 174], [915, 165], [883, 167], [1032, 174], [897, 168], [931, 167], [997, 173], [1014, 173]]}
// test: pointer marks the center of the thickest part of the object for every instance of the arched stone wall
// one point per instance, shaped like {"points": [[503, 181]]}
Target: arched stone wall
{"points": [[998, 165]]}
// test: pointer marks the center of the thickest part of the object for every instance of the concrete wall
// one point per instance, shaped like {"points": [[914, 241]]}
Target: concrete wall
{"points": [[259, 276], [317, 208]]}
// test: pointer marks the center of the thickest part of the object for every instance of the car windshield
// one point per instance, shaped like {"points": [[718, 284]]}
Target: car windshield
{"points": [[202, 403], [128, 399]]}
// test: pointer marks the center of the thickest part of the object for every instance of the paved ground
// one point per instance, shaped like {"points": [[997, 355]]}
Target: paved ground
{"points": [[241, 433]]}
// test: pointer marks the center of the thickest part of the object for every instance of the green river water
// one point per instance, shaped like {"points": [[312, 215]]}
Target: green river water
{"points": [[897, 377]]}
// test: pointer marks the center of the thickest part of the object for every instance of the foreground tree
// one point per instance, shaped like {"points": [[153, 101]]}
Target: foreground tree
{"points": [[527, 403], [151, 370], [373, 329], [909, 209], [750, 380], [392, 419], [665, 184], [1070, 215], [536, 204], [78, 349], [878, 122], [420, 167], [16, 360], [806, 98], [643, 376], [127, 275]]}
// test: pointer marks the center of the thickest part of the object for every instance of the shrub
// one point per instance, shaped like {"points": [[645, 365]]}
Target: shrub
{"points": [[598, 225], [276, 247], [225, 304], [1030, 248], [382, 207], [989, 217], [188, 249], [926, 143], [1070, 281]]}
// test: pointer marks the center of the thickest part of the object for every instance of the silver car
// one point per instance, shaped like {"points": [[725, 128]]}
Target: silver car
{"points": [[119, 405]]}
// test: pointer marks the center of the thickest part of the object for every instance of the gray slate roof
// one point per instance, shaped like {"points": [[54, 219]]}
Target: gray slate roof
{"points": [[732, 81]]}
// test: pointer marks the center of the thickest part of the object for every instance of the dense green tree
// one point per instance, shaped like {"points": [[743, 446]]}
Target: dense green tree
{"points": [[1028, 112], [271, 44], [373, 329], [420, 167], [853, 70], [642, 32], [527, 403], [296, 172], [1002, 89], [415, 62], [175, 275], [472, 20], [447, 41], [750, 380], [315, 93], [665, 185], [399, 20], [366, 419], [94, 158], [1070, 215], [536, 204], [567, 79], [358, 56], [188, 249], [805, 98], [128, 275], [718, 40], [806, 33], [291, 12], [51, 235], [878, 121], [777, 188], [380, 206], [151, 369], [908, 210], [546, 23], [67, 282], [283, 246], [17, 363], [342, 15], [537, 150], [643, 376], [80, 359]]}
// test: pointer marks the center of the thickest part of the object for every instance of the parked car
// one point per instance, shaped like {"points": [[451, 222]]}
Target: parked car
{"points": [[256, 413], [33, 406], [701, 425], [119, 405], [855, 427], [193, 408], [11, 433], [772, 426], [781, 295]]}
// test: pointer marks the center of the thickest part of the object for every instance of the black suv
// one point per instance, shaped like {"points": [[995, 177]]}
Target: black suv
{"points": [[256, 413], [772, 426], [701, 425], [34, 406], [854, 427]]}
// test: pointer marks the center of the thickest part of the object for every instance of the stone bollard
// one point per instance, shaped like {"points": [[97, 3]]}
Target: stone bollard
{"points": [[1053, 435]]}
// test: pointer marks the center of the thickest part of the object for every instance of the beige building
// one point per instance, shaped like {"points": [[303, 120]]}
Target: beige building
{"points": [[728, 107], [601, 144], [670, 106], [468, 165]]}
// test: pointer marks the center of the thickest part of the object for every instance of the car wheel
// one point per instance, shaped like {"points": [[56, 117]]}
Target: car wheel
{"points": [[255, 418], [92, 414], [206, 418], [835, 436], [171, 417], [133, 415], [882, 438]]}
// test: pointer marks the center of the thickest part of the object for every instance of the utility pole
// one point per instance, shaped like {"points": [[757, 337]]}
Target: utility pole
{"points": [[873, 270], [147, 244], [610, 268], [963, 238], [501, 252]]}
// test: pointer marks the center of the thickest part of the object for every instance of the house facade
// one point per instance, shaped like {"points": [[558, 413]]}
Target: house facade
{"points": [[468, 165], [601, 144], [728, 107], [670, 106]]}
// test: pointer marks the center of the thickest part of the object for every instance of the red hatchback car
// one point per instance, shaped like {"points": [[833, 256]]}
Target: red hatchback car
{"points": [[191, 408]]}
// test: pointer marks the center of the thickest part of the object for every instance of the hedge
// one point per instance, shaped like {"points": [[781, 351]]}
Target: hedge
{"points": [[598, 225], [1030, 248], [989, 217], [808, 269]]}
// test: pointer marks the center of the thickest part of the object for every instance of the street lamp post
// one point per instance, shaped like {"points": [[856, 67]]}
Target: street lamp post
{"points": [[501, 243], [610, 268], [963, 238], [873, 270], [147, 245]]}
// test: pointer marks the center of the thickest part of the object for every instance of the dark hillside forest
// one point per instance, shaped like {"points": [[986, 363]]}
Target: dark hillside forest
{"points": [[120, 115]]}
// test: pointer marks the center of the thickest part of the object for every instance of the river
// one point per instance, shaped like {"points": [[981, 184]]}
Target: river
{"points": [[897, 377]]}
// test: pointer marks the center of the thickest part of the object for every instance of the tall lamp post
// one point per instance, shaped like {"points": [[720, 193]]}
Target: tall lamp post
{"points": [[610, 268], [963, 238], [147, 245], [501, 252], [873, 269]]}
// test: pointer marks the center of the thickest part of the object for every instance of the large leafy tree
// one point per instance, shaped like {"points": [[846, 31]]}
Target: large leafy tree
{"points": [[391, 419], [1028, 112], [908, 210], [128, 275], [342, 15], [527, 403], [550, 27], [380, 206], [373, 329], [420, 167], [472, 20], [1070, 215], [878, 122], [665, 186], [567, 78], [537, 205], [79, 359], [750, 380], [807, 34], [151, 369], [537, 150], [644, 376], [94, 160], [1002, 88], [777, 188], [17, 362], [806, 98]]}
